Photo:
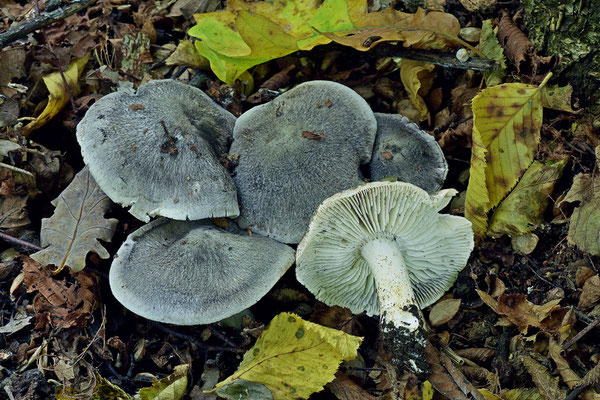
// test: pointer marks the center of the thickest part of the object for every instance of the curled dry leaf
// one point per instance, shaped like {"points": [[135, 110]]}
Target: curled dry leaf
{"points": [[584, 228], [545, 383], [517, 45], [590, 295], [447, 379], [77, 224]]}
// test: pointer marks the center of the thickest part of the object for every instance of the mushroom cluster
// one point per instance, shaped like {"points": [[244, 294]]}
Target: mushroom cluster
{"points": [[379, 247]]}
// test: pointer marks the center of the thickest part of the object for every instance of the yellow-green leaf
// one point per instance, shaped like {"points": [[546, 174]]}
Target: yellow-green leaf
{"points": [[250, 33], [522, 394], [490, 47], [170, 388], [294, 358], [506, 132], [558, 97], [417, 78], [584, 228], [522, 211], [186, 55], [58, 96], [104, 390], [76, 225]]}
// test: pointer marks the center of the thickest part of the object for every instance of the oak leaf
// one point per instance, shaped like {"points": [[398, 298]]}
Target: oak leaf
{"points": [[77, 224]]}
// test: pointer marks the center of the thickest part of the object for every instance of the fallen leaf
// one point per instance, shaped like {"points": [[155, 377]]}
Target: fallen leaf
{"points": [[523, 209], [16, 323], [13, 213], [250, 33], [447, 379], [58, 96], [506, 132], [522, 394], [490, 47], [245, 390], [77, 224], [186, 55], [103, 390], [590, 294], [6, 146], [545, 383], [417, 78], [525, 314], [443, 311], [558, 97], [295, 358], [344, 388], [584, 228], [171, 387]]}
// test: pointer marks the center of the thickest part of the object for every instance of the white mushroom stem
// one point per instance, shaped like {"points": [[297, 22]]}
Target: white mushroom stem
{"points": [[401, 319]]}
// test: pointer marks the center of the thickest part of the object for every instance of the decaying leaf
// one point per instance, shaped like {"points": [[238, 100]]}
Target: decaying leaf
{"points": [[490, 47], [545, 383], [295, 358], [523, 210], [443, 311], [590, 295], [417, 78], [506, 132], [77, 224], [558, 97], [250, 33], [171, 387], [58, 96], [16, 323], [13, 213], [344, 388], [584, 228], [447, 379], [522, 394], [103, 390]]}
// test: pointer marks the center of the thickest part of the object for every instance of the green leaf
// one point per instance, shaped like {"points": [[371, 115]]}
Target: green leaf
{"points": [[76, 225], [490, 47], [245, 390], [507, 120], [558, 97], [294, 358], [170, 388], [522, 211]]}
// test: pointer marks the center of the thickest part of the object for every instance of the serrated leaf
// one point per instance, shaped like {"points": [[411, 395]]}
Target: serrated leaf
{"points": [[546, 384], [294, 358], [490, 47], [417, 78], [522, 394], [522, 211], [250, 33], [506, 132], [76, 225], [245, 390], [58, 96], [584, 228], [170, 388]]}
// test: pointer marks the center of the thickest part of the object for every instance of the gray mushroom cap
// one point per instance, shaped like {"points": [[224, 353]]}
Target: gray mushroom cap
{"points": [[158, 151], [434, 247], [190, 273], [403, 150], [296, 151]]}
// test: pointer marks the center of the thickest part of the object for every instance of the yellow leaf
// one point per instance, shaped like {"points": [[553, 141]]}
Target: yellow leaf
{"points": [[488, 395], [506, 132], [294, 358], [170, 388], [58, 95], [584, 228], [417, 78], [185, 54], [522, 211], [104, 390], [250, 33], [558, 97]]}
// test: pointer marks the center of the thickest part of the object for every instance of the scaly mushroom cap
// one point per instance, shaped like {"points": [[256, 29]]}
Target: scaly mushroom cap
{"points": [[158, 150], [434, 247], [403, 150], [190, 273], [296, 151]]}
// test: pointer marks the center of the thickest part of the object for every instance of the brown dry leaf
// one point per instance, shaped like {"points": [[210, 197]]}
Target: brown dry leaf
{"points": [[335, 317], [489, 300], [546, 384], [525, 314], [417, 78], [590, 294], [447, 379], [584, 228], [13, 213], [480, 355], [583, 274], [567, 374], [480, 374], [59, 303], [443, 311], [478, 5], [517, 45], [77, 224], [345, 388]]}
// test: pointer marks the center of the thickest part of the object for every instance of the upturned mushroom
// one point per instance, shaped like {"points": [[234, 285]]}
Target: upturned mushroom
{"points": [[190, 273], [296, 151], [403, 150], [383, 248], [158, 150]]}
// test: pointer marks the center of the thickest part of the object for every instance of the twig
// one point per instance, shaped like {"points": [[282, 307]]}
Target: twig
{"points": [[16, 169], [576, 392], [193, 340], [44, 19], [19, 242], [221, 336], [581, 333]]}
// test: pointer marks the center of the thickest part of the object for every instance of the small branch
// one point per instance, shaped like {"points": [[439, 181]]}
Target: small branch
{"points": [[193, 340], [581, 333], [16, 169], [19, 242], [42, 20]]}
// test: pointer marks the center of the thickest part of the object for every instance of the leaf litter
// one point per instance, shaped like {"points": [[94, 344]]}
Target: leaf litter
{"points": [[524, 335]]}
